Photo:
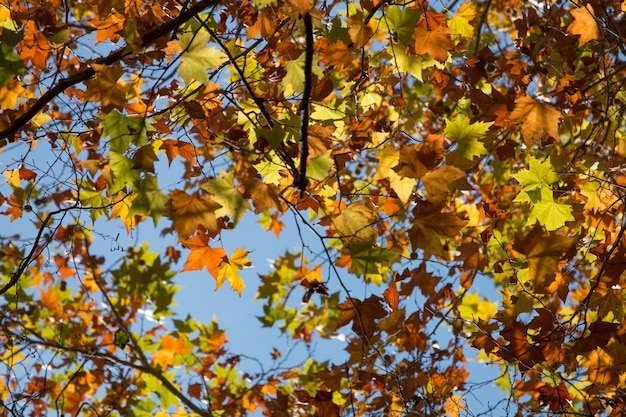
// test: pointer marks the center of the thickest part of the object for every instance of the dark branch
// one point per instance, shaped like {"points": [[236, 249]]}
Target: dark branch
{"points": [[305, 103], [8, 134]]}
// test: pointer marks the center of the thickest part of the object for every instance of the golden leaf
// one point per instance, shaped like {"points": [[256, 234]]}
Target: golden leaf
{"points": [[536, 118], [435, 43], [584, 25]]}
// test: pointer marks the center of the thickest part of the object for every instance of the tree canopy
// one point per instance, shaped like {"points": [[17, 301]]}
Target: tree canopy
{"points": [[422, 152]]}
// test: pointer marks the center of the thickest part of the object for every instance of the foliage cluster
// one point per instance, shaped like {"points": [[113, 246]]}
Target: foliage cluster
{"points": [[425, 145]]}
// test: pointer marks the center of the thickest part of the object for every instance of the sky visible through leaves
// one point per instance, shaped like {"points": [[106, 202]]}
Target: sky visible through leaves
{"points": [[301, 207]]}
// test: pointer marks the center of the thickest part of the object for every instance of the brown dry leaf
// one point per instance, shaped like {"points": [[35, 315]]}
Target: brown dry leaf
{"points": [[536, 118], [437, 182], [435, 43], [543, 252], [357, 220], [410, 164], [302, 6], [584, 25], [188, 212]]}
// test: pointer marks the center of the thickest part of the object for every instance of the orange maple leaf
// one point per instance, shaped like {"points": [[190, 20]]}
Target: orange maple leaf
{"points": [[584, 25], [170, 348], [435, 43], [536, 118], [203, 256], [49, 299]]}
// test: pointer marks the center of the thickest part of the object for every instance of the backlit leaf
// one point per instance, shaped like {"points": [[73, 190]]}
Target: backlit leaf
{"points": [[536, 118], [436, 43], [197, 58], [228, 196], [584, 24], [188, 212]]}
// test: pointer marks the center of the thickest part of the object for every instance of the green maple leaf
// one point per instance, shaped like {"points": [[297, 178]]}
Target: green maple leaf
{"points": [[319, 166], [293, 81], [467, 137], [124, 130], [228, 196], [550, 214], [197, 58], [123, 170], [403, 21], [150, 200], [538, 173], [413, 64], [366, 257], [10, 62]]}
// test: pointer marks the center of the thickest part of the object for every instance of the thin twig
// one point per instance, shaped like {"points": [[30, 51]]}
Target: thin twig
{"points": [[8, 135]]}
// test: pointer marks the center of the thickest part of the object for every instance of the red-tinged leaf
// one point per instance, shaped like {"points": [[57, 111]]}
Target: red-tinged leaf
{"points": [[392, 298], [555, 398], [203, 256], [27, 174]]}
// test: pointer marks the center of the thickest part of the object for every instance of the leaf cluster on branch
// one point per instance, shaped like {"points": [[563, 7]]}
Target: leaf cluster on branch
{"points": [[455, 174]]}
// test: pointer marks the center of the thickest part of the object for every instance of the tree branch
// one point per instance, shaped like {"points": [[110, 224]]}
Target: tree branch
{"points": [[8, 135], [305, 103]]}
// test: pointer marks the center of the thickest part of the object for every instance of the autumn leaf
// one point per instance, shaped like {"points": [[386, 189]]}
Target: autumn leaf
{"points": [[197, 58], [460, 23], [536, 118], [584, 24], [202, 255], [436, 43], [543, 252], [359, 32], [302, 6], [391, 297], [356, 220], [107, 87], [170, 351], [50, 299], [438, 181], [228, 196], [188, 212], [229, 270]]}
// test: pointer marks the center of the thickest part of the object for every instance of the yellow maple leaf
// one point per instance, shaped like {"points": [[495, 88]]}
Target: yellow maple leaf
{"points": [[231, 273], [460, 23], [239, 259], [584, 24], [230, 270], [121, 208], [536, 118]]}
